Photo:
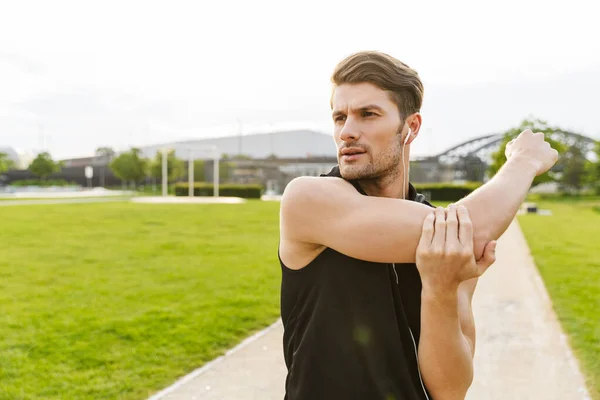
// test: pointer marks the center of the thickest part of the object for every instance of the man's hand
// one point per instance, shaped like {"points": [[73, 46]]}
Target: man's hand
{"points": [[445, 259], [445, 252], [533, 148]]}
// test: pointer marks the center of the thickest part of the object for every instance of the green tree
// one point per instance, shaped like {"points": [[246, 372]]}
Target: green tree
{"points": [[593, 170], [536, 125], [43, 165], [573, 176], [199, 174], [6, 164], [107, 152], [175, 166], [130, 166], [225, 171], [241, 157]]}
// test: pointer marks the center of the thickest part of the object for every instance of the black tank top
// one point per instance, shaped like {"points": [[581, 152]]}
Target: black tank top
{"points": [[352, 327]]}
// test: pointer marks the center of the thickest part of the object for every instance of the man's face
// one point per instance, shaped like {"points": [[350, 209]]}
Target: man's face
{"points": [[366, 124]]}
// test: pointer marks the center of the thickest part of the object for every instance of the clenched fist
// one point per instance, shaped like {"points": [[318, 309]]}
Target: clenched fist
{"points": [[533, 148], [445, 253]]}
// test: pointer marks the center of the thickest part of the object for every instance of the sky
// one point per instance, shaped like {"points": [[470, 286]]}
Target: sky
{"points": [[77, 75]]}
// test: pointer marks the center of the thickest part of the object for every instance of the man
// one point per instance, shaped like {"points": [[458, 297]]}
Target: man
{"points": [[361, 320]]}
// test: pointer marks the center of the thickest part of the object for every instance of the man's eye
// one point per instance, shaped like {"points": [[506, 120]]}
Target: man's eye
{"points": [[368, 114], [340, 118]]}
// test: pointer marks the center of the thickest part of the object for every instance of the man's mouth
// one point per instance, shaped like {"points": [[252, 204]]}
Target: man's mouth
{"points": [[351, 153]]}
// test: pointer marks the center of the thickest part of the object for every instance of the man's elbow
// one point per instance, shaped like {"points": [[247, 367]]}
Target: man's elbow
{"points": [[452, 391], [481, 237], [452, 387]]}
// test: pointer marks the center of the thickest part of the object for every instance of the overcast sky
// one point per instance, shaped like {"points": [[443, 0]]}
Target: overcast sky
{"points": [[85, 74]]}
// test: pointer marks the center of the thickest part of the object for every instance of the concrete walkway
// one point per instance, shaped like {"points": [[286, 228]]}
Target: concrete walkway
{"points": [[521, 352], [29, 202]]}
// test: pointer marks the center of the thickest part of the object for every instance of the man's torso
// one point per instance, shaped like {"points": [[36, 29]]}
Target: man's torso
{"points": [[351, 326]]}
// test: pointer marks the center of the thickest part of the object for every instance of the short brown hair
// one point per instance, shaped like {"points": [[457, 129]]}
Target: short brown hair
{"points": [[387, 73]]}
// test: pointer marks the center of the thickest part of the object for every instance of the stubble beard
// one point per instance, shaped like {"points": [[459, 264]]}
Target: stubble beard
{"points": [[382, 170]]}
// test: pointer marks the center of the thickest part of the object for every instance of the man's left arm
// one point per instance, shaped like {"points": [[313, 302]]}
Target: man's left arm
{"points": [[445, 260], [445, 356], [465, 311]]}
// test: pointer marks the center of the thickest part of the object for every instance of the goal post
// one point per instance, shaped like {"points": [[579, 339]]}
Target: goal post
{"points": [[214, 154]]}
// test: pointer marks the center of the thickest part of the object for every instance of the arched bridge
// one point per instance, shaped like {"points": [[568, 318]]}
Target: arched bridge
{"points": [[483, 146], [470, 159]]}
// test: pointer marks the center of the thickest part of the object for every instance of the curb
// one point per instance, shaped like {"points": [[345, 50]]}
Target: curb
{"points": [[194, 374]]}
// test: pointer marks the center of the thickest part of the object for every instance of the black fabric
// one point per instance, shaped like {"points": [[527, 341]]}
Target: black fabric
{"points": [[348, 327]]}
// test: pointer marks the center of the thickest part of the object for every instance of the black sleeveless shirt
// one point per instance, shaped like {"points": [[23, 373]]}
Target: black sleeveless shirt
{"points": [[351, 327]]}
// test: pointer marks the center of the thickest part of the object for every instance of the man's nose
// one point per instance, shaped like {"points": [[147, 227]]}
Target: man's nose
{"points": [[350, 132]]}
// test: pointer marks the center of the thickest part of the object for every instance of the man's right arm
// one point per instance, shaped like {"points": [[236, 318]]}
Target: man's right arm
{"points": [[330, 212]]}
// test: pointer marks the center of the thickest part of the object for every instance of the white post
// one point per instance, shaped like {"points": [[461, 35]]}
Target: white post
{"points": [[191, 174], [165, 181], [216, 175]]}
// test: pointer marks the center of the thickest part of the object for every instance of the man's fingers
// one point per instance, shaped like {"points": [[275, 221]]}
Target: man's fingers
{"points": [[439, 237], [427, 232], [465, 228], [489, 257], [451, 226]]}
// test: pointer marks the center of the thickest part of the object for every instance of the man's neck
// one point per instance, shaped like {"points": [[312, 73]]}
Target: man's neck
{"points": [[388, 186]]}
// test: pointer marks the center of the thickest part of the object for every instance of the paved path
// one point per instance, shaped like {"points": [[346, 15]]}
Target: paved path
{"points": [[521, 353], [5, 203]]}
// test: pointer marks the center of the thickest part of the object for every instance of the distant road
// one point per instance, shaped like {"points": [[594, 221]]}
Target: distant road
{"points": [[62, 201]]}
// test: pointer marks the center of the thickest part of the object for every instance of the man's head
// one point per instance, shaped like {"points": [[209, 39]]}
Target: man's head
{"points": [[374, 97]]}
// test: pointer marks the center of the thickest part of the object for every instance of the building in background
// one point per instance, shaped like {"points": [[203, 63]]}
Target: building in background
{"points": [[268, 159], [272, 173], [285, 144], [274, 159]]}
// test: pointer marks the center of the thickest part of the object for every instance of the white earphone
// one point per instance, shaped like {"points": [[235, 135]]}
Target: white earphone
{"points": [[408, 135]]}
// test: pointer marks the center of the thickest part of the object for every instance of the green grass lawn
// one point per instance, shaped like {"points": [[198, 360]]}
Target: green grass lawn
{"points": [[118, 300], [566, 249]]}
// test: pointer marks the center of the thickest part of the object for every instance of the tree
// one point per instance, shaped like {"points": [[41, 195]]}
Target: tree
{"points": [[593, 169], [43, 165], [225, 171], [107, 154], [6, 164], [574, 169], [130, 166], [240, 157], [473, 167], [199, 174], [175, 166], [536, 125]]}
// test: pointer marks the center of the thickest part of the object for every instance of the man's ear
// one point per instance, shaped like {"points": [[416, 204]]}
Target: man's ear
{"points": [[414, 124]]}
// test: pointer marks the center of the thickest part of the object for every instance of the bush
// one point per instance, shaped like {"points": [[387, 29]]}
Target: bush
{"points": [[446, 191], [227, 190], [41, 183]]}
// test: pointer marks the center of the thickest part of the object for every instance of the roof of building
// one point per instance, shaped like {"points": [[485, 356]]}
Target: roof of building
{"points": [[286, 144]]}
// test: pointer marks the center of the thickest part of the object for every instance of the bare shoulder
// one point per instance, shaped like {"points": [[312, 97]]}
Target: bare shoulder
{"points": [[306, 202], [306, 188], [303, 210]]}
